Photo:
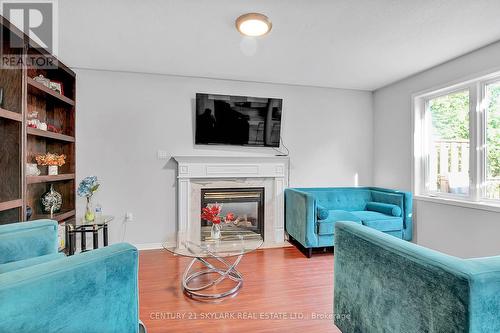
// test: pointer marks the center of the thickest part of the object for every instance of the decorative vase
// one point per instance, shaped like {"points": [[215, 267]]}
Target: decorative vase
{"points": [[32, 169], [53, 170], [89, 211], [215, 232], [51, 201]]}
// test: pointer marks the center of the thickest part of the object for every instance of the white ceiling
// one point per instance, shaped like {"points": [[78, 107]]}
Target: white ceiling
{"points": [[357, 44]]}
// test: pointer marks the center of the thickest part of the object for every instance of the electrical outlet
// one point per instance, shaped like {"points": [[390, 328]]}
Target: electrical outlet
{"points": [[129, 217]]}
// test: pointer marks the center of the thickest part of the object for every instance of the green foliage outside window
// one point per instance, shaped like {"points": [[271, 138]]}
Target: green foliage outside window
{"points": [[493, 133], [450, 116], [450, 120]]}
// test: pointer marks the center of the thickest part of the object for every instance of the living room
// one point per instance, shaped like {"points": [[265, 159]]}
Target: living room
{"points": [[193, 166]]}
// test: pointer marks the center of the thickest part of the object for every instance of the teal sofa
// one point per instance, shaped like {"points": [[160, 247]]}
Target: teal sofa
{"points": [[384, 284], [311, 213], [42, 290]]}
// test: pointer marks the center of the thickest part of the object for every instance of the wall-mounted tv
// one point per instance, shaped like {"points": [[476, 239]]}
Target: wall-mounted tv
{"points": [[238, 120]]}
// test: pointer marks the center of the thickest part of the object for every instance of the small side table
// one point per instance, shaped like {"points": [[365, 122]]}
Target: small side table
{"points": [[88, 227]]}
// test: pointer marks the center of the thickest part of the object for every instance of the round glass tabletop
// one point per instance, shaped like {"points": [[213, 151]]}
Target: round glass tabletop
{"points": [[234, 241]]}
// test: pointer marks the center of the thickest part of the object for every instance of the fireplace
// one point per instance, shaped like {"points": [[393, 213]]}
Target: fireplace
{"points": [[197, 173], [247, 204]]}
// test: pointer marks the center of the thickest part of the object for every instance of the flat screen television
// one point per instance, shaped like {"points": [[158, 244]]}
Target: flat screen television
{"points": [[238, 120]]}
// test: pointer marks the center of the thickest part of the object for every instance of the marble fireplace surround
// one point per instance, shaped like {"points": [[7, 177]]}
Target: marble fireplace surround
{"points": [[197, 172]]}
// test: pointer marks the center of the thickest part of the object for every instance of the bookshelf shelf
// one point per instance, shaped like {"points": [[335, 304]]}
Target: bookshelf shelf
{"points": [[59, 217], [11, 115], [48, 179], [50, 135], [49, 92], [11, 204]]}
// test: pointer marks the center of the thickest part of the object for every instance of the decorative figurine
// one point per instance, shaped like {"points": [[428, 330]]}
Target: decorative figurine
{"points": [[43, 80], [32, 169]]}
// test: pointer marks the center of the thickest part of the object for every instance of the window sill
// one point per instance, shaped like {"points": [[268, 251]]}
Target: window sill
{"points": [[481, 205]]}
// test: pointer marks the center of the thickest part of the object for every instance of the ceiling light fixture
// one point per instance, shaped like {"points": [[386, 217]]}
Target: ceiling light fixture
{"points": [[253, 24]]}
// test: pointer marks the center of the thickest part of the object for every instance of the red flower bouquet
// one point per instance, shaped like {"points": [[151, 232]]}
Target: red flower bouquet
{"points": [[211, 213]]}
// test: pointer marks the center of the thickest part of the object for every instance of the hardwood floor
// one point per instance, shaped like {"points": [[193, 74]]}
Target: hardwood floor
{"points": [[278, 283]]}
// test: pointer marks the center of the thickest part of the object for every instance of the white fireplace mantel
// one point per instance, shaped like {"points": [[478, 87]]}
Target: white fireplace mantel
{"points": [[230, 166], [196, 172]]}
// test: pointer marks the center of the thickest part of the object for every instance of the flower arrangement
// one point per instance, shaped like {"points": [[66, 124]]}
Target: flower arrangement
{"points": [[211, 213], [88, 186], [51, 159], [86, 189]]}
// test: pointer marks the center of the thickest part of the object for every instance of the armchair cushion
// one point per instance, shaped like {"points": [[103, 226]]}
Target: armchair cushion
{"points": [[379, 221], [322, 212], [384, 208], [95, 291], [19, 241], [12, 266], [407, 288], [327, 226], [393, 197], [342, 198]]}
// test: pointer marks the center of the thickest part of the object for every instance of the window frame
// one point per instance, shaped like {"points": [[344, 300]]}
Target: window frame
{"points": [[477, 140], [484, 128]]}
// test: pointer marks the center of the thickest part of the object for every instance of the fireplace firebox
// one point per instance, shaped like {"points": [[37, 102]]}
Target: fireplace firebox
{"points": [[247, 204]]}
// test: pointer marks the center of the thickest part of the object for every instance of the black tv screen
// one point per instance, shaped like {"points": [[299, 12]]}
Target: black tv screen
{"points": [[238, 120]]}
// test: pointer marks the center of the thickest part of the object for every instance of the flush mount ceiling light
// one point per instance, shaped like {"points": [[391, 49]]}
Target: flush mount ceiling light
{"points": [[253, 24]]}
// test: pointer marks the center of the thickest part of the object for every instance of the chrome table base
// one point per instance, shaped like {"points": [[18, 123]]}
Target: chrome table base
{"points": [[228, 271]]}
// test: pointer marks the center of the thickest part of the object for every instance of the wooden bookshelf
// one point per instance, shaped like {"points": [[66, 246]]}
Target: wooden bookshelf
{"points": [[50, 135], [19, 144], [41, 89], [11, 204], [48, 179], [59, 217], [10, 115]]}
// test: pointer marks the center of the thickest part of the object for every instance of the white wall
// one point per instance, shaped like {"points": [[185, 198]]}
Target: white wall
{"points": [[459, 231], [124, 118]]}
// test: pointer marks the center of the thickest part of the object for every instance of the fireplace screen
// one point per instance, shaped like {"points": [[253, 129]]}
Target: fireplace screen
{"points": [[247, 204]]}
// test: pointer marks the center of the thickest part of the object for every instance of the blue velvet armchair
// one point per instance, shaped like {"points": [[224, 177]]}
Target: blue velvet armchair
{"points": [[384, 284], [42, 290], [311, 213]]}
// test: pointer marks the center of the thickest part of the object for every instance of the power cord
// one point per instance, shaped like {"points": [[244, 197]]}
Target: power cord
{"points": [[285, 154], [124, 230], [281, 153]]}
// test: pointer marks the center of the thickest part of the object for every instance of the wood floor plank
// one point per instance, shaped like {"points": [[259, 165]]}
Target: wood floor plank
{"points": [[282, 292]]}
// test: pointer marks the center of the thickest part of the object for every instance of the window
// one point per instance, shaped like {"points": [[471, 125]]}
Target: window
{"points": [[457, 141], [449, 143], [492, 155]]}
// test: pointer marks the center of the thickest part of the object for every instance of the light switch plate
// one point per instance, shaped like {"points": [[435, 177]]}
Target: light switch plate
{"points": [[129, 217], [162, 155]]}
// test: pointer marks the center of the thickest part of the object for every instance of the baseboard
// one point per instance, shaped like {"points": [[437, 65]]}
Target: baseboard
{"points": [[276, 245], [149, 246]]}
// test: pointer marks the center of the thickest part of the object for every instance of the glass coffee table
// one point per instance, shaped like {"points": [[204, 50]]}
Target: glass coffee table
{"points": [[219, 258]]}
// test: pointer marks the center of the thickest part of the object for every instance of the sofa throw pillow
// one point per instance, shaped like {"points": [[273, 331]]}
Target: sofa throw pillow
{"points": [[384, 208], [321, 212]]}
